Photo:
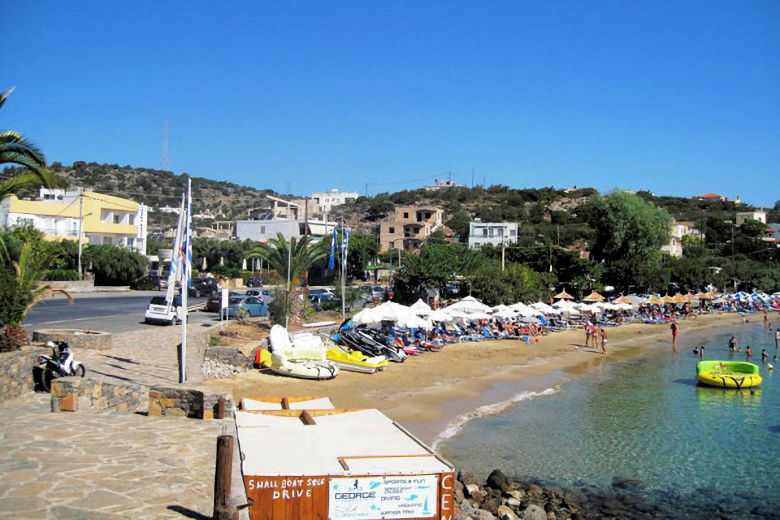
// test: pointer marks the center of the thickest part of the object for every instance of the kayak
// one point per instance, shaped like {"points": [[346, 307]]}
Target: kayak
{"points": [[728, 374], [357, 361]]}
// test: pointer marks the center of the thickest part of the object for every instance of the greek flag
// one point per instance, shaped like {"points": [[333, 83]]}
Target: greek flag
{"points": [[332, 260], [344, 246]]}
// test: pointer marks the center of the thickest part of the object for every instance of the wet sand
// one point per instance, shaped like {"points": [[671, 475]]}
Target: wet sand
{"points": [[430, 390]]}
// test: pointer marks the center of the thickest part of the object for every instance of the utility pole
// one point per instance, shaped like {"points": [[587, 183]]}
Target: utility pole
{"points": [[502, 249], [81, 228]]}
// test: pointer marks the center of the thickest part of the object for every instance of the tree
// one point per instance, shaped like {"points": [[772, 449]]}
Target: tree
{"points": [[15, 149], [629, 234], [515, 283], [113, 265], [299, 255], [20, 271], [362, 249]]}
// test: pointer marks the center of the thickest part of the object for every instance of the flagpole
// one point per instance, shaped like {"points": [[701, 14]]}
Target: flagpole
{"points": [[287, 295], [185, 282], [343, 272]]}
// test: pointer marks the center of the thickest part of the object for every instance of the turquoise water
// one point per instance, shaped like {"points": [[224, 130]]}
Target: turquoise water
{"points": [[643, 419]]}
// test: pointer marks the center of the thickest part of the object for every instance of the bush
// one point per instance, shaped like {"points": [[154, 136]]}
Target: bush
{"points": [[61, 275], [114, 265]]}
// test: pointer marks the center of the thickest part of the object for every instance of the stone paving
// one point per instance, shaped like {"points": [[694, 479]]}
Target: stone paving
{"points": [[107, 465]]}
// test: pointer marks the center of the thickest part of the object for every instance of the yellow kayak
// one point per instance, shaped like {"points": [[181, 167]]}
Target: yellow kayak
{"points": [[728, 374]]}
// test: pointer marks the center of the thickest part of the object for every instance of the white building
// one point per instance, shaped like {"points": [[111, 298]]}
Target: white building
{"points": [[495, 233], [743, 217], [264, 230], [679, 230], [334, 197]]}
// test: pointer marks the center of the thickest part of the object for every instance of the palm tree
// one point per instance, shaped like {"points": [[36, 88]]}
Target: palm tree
{"points": [[21, 290], [300, 255], [15, 149]]}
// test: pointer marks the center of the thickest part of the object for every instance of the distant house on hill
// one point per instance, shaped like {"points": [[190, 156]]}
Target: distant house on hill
{"points": [[439, 184], [409, 227], [679, 230], [494, 233], [711, 197], [744, 216]]}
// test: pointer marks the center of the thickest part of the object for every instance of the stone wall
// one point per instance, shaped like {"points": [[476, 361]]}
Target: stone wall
{"points": [[90, 339], [223, 362], [72, 394], [16, 371], [183, 402]]}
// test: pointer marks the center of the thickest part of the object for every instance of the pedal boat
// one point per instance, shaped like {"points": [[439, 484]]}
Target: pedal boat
{"points": [[728, 374]]}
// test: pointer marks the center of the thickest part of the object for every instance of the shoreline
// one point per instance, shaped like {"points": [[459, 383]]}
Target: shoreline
{"points": [[481, 378]]}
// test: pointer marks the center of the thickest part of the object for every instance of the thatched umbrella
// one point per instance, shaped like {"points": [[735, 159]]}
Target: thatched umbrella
{"points": [[654, 300], [679, 298], [593, 297], [622, 299], [563, 295]]}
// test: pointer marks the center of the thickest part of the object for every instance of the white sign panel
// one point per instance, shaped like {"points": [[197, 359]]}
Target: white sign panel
{"points": [[383, 497], [224, 301]]}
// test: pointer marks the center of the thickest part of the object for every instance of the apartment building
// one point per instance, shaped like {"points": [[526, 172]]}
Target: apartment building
{"points": [[61, 214], [494, 233], [409, 227]]}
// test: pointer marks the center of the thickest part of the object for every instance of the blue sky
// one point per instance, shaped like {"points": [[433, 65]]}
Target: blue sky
{"points": [[678, 98]]}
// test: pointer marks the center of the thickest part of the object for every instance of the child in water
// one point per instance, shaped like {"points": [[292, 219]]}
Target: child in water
{"points": [[748, 351]]}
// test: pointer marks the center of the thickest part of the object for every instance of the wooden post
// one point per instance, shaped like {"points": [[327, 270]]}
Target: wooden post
{"points": [[221, 408], [222, 508]]}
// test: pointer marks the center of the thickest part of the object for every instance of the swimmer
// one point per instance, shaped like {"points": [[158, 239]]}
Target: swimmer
{"points": [[764, 355], [748, 351]]}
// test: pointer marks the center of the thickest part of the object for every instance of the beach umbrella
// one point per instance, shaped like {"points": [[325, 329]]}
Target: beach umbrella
{"points": [[392, 311], [421, 308], [243, 264], [563, 295], [529, 319], [478, 316], [622, 299], [679, 298], [414, 322], [623, 306], [469, 304], [366, 317], [500, 307], [440, 315], [654, 300], [544, 308], [593, 297], [588, 308], [506, 313], [690, 297]]}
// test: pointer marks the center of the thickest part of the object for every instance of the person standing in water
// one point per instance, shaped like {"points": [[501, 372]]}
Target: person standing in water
{"points": [[733, 344], [777, 338], [674, 335]]}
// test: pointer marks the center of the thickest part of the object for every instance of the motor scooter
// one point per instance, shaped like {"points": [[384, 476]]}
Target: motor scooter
{"points": [[61, 363]]}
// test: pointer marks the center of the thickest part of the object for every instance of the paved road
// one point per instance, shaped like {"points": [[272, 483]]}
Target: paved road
{"points": [[110, 312]]}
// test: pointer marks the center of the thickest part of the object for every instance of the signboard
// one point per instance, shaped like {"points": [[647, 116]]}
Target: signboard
{"points": [[223, 302], [365, 498]]}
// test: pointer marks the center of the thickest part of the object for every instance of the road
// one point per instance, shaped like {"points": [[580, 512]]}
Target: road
{"points": [[107, 312]]}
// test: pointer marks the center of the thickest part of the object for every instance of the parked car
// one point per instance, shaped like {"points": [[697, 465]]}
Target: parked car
{"points": [[214, 303], [318, 299], [374, 291], [160, 312], [252, 304], [203, 286], [322, 290], [254, 281], [150, 283], [264, 295]]}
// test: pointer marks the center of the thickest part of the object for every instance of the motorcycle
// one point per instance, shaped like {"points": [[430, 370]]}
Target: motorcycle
{"points": [[61, 363]]}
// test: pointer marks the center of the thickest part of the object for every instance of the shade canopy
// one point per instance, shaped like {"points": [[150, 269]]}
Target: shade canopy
{"points": [[593, 297], [469, 304], [421, 308], [563, 295]]}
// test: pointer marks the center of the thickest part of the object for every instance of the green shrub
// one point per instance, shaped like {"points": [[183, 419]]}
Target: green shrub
{"points": [[61, 275]]}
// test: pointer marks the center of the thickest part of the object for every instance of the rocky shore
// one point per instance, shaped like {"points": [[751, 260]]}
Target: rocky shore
{"points": [[506, 498]]}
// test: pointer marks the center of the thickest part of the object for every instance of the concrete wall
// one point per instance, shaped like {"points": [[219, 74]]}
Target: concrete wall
{"points": [[184, 402]]}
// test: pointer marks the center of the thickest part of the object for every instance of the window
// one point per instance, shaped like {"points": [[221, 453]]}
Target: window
{"points": [[484, 232], [108, 241], [116, 218], [262, 230], [391, 229], [512, 232], [406, 214]]}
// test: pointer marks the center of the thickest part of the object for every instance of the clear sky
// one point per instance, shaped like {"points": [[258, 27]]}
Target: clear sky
{"points": [[676, 97]]}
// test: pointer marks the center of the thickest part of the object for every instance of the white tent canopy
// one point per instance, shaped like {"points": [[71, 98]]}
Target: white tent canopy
{"points": [[421, 308], [440, 315], [469, 304]]}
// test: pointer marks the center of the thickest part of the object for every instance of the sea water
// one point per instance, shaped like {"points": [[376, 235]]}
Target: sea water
{"points": [[643, 419]]}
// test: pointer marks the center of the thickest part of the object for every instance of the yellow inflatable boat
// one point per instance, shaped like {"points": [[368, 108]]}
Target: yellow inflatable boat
{"points": [[728, 374]]}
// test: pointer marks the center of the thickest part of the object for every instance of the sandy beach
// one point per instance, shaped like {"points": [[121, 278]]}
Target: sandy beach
{"points": [[429, 391]]}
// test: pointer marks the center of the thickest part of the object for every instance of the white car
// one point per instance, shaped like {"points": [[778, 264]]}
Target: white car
{"points": [[159, 311]]}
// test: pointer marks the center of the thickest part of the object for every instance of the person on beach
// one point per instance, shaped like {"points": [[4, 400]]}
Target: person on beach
{"points": [[587, 333], [604, 340], [674, 335], [733, 344], [594, 335]]}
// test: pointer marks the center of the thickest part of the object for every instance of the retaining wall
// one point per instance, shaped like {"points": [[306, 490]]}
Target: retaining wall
{"points": [[91, 339], [73, 394], [16, 371], [178, 402]]}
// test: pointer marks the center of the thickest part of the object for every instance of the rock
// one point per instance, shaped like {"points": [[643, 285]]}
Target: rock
{"points": [[534, 512], [505, 513], [627, 483], [481, 514], [572, 500], [516, 493], [478, 496], [535, 491], [459, 496], [551, 515], [491, 504], [498, 480], [467, 478], [512, 502], [470, 489]]}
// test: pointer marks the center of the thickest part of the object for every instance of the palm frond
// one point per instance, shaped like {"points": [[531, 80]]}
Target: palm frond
{"points": [[29, 179], [43, 292], [22, 147], [5, 95]]}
